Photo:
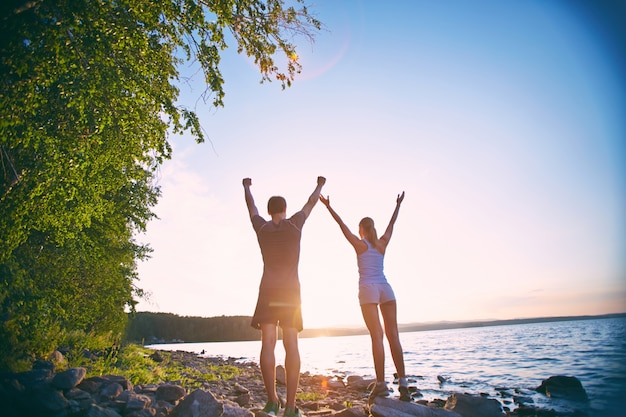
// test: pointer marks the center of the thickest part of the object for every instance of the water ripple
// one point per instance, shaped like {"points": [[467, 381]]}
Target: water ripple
{"points": [[499, 361]]}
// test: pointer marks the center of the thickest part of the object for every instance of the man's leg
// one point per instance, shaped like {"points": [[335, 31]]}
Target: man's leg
{"points": [[268, 360], [292, 365]]}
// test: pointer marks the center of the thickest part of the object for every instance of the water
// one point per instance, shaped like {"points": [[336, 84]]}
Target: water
{"points": [[499, 361]]}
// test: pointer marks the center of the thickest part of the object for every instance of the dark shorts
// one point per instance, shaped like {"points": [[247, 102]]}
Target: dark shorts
{"points": [[280, 307]]}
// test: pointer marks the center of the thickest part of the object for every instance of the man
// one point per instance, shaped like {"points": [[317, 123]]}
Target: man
{"points": [[279, 301]]}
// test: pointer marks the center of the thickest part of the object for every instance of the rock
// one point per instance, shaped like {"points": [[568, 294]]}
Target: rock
{"points": [[77, 394], [164, 407], [147, 412], [90, 385], [388, 407], [335, 383], [358, 383], [352, 412], [415, 393], [336, 406], [567, 387], [125, 383], [147, 388], [474, 406], [239, 389], [243, 400], [137, 402], [111, 390], [57, 357], [33, 393], [280, 375], [69, 379], [34, 377], [199, 403], [46, 399], [232, 409], [170, 392], [320, 413], [95, 383], [97, 411], [41, 364]]}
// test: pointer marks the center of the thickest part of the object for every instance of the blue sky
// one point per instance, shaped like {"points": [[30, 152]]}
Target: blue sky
{"points": [[501, 120]]}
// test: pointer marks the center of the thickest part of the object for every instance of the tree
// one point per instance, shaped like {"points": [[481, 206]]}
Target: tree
{"points": [[87, 100]]}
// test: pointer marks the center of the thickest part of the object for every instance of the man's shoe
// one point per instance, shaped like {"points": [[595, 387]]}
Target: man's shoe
{"points": [[292, 413], [271, 408]]}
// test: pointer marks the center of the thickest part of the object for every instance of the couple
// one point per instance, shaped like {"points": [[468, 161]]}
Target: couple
{"points": [[279, 300]]}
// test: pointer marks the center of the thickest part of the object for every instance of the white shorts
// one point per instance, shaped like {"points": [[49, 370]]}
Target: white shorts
{"points": [[376, 293]]}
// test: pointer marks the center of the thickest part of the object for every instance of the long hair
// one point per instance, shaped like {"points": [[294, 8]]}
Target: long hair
{"points": [[369, 231]]}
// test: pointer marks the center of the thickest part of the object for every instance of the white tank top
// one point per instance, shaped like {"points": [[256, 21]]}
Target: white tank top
{"points": [[370, 265]]}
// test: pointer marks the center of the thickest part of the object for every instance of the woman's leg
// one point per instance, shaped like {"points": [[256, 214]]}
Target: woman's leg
{"points": [[372, 321], [389, 312]]}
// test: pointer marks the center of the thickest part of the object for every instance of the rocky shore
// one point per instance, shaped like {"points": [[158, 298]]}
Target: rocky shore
{"points": [[44, 392]]}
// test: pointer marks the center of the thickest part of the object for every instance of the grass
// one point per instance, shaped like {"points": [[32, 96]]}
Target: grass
{"points": [[138, 365], [310, 396], [141, 365]]}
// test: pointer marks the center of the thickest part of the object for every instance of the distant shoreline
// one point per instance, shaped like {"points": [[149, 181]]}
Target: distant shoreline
{"points": [[445, 325], [158, 328]]}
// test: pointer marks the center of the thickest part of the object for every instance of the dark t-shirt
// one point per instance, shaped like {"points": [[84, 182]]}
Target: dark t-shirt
{"points": [[280, 249]]}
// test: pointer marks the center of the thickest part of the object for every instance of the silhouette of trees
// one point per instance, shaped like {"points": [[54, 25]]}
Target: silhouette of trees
{"points": [[165, 327], [88, 97]]}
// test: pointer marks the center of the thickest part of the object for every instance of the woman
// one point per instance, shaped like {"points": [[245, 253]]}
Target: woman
{"points": [[374, 293]]}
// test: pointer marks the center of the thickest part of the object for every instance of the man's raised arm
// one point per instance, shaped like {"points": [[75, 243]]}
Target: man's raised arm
{"points": [[252, 210]]}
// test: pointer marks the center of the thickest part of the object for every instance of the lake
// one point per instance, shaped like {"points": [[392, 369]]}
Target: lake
{"points": [[513, 359]]}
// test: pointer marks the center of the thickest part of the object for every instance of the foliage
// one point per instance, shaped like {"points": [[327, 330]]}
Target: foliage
{"points": [[165, 327], [87, 100]]}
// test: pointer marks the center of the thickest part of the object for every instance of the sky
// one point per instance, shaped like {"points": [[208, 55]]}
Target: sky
{"points": [[502, 121]]}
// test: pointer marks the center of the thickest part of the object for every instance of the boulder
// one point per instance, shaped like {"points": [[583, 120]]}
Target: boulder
{"points": [[389, 407], [137, 402], [97, 411], [352, 412], [69, 379], [41, 364], [243, 399], [566, 387], [240, 389], [358, 383], [170, 392], [199, 403], [34, 377], [232, 409], [111, 390], [335, 383], [45, 400], [57, 358], [473, 406]]}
